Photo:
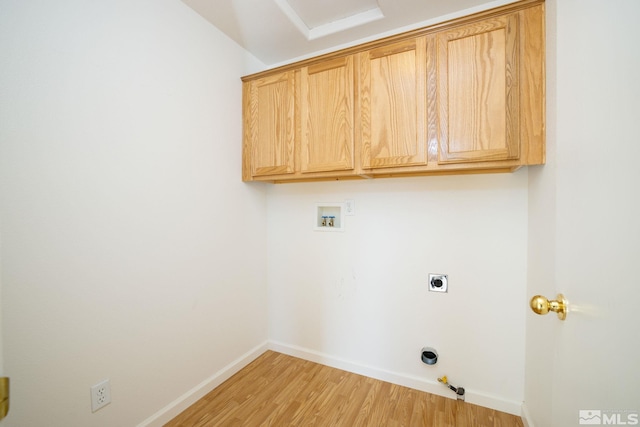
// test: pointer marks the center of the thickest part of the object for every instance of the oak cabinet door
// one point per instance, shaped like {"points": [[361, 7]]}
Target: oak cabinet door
{"points": [[269, 114], [478, 93], [327, 116], [393, 100]]}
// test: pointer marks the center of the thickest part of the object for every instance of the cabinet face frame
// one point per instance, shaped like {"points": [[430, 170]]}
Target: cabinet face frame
{"points": [[326, 100], [270, 124], [478, 91]]}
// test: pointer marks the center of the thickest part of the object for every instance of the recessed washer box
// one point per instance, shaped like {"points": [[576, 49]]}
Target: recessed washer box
{"points": [[329, 217]]}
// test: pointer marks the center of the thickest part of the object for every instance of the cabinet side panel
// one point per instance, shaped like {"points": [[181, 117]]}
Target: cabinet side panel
{"points": [[532, 112], [246, 132]]}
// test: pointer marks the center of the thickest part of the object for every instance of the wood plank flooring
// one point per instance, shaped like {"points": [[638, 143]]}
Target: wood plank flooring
{"points": [[280, 390]]}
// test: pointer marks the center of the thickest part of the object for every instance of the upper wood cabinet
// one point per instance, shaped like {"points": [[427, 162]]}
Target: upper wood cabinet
{"points": [[478, 91], [393, 104], [326, 101], [269, 126], [463, 96]]}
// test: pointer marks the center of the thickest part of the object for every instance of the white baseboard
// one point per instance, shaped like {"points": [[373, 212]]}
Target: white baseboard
{"points": [[526, 417], [434, 387], [170, 411]]}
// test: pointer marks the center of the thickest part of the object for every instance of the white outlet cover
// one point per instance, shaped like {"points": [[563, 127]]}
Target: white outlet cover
{"points": [[349, 207], [100, 395]]}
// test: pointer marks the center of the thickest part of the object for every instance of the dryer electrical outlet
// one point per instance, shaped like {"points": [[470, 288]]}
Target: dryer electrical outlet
{"points": [[438, 283]]}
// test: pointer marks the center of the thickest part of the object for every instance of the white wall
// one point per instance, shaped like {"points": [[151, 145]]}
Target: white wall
{"points": [[584, 211], [130, 248], [359, 299]]}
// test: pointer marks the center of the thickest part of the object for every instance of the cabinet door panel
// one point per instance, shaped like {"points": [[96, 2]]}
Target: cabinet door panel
{"points": [[478, 91], [327, 116], [271, 120], [393, 105]]}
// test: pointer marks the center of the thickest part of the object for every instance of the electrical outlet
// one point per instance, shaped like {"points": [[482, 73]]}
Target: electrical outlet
{"points": [[438, 283], [349, 207], [100, 395]]}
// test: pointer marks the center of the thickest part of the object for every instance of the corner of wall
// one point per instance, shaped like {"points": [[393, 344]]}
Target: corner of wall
{"points": [[174, 408]]}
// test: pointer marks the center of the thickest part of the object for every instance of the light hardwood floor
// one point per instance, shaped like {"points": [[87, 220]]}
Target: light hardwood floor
{"points": [[280, 390]]}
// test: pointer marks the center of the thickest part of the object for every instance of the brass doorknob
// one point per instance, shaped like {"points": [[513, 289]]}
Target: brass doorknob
{"points": [[541, 305]]}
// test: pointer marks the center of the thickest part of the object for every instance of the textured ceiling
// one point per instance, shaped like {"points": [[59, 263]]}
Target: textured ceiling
{"points": [[280, 31]]}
